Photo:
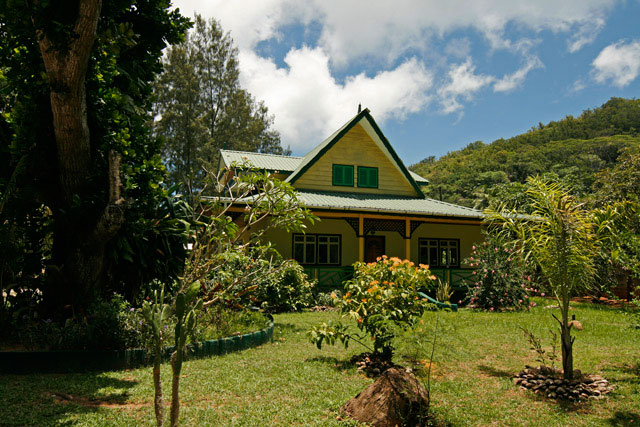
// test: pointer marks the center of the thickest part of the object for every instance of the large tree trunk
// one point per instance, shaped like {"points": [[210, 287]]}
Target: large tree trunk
{"points": [[78, 248]]}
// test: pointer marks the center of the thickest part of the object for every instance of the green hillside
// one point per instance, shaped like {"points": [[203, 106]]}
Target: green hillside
{"points": [[575, 149]]}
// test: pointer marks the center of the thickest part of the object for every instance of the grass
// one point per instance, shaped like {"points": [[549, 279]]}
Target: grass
{"points": [[290, 382]]}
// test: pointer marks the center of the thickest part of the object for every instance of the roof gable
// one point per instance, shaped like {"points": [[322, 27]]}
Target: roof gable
{"points": [[376, 137]]}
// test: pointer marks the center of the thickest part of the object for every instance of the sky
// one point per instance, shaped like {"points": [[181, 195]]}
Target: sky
{"points": [[436, 75]]}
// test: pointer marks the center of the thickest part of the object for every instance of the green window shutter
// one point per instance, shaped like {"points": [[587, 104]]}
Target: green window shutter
{"points": [[343, 175], [367, 177]]}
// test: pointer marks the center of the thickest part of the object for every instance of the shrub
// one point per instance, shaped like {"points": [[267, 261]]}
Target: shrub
{"points": [[261, 279], [328, 299], [108, 325], [218, 322], [382, 295], [501, 278]]}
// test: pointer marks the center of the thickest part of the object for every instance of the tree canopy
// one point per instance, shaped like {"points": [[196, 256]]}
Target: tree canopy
{"points": [[201, 107], [80, 182]]}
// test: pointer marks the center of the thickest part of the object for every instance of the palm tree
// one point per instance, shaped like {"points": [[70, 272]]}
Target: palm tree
{"points": [[562, 238]]}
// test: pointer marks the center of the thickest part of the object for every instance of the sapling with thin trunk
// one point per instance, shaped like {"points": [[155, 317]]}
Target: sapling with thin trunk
{"points": [[155, 314]]}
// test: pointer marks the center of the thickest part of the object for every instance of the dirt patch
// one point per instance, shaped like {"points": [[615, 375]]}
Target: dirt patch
{"points": [[615, 303], [64, 398]]}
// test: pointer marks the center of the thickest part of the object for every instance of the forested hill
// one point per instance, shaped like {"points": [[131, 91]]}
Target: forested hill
{"points": [[575, 149]]}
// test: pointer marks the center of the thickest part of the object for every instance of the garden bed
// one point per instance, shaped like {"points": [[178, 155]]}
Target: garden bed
{"points": [[63, 361]]}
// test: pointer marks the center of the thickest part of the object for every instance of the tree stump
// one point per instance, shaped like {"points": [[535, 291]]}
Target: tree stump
{"points": [[395, 399]]}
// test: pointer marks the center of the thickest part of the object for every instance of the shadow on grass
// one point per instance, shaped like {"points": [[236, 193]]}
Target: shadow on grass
{"points": [[288, 327], [623, 373], [624, 418], [340, 365], [489, 370], [47, 399]]}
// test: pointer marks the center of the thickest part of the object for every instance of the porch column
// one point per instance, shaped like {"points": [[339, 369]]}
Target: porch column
{"points": [[361, 238], [407, 239]]}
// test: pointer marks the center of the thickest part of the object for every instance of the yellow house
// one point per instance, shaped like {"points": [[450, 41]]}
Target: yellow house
{"points": [[369, 205]]}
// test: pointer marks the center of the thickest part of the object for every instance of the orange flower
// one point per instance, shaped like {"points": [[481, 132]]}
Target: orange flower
{"points": [[424, 266], [333, 295], [432, 277], [359, 319], [374, 282], [364, 300]]}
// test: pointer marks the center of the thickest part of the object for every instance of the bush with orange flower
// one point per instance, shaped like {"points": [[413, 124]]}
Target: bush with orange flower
{"points": [[382, 296]]}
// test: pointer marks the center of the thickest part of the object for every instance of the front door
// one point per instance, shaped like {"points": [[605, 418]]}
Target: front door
{"points": [[373, 248]]}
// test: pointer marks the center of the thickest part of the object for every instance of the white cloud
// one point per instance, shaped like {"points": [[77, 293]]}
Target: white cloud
{"points": [[577, 86], [463, 83], [618, 62], [309, 104], [352, 30], [307, 100], [512, 81]]}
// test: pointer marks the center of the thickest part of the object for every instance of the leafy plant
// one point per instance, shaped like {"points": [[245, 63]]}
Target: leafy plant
{"points": [[262, 203], [443, 291], [543, 356], [110, 324], [562, 238], [328, 299], [156, 313], [382, 295], [501, 280], [187, 304], [260, 278]]}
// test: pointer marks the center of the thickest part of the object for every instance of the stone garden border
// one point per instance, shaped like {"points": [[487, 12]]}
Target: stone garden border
{"points": [[66, 361]]}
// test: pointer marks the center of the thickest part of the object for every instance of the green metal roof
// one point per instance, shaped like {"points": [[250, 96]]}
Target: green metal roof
{"points": [[275, 162], [270, 162], [360, 202]]}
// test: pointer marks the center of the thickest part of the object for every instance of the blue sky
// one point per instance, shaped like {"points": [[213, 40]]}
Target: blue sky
{"points": [[436, 75]]}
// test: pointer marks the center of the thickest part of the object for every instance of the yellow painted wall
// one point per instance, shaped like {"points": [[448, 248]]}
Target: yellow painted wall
{"points": [[394, 243], [468, 235], [283, 241], [356, 148]]}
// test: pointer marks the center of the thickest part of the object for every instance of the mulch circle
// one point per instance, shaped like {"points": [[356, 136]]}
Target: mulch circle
{"points": [[548, 382]]}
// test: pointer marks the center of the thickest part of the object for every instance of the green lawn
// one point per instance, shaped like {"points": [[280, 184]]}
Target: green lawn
{"points": [[290, 382]]}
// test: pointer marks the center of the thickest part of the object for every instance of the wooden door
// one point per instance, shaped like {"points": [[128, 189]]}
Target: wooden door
{"points": [[373, 248]]}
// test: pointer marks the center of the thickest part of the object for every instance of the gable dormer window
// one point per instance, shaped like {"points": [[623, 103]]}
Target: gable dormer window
{"points": [[343, 175], [367, 177]]}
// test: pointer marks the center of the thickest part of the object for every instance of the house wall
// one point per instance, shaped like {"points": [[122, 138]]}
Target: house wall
{"points": [[356, 148], [283, 241], [394, 242], [467, 234]]}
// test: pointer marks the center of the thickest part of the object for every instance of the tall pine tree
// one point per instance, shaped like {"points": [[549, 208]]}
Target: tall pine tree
{"points": [[202, 108]]}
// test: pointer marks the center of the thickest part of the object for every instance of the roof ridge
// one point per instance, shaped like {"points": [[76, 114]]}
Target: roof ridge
{"points": [[253, 153]]}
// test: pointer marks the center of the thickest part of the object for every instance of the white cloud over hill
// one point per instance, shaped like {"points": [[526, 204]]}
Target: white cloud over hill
{"points": [[618, 63], [309, 102]]}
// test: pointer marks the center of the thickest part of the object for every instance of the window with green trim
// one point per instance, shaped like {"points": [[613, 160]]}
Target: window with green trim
{"points": [[343, 175], [317, 249], [367, 177]]}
